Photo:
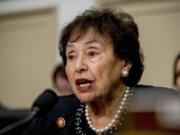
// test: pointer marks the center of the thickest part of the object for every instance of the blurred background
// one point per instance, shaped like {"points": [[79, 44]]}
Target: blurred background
{"points": [[29, 33]]}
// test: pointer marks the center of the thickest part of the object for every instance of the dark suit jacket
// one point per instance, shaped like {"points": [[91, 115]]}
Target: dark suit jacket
{"points": [[145, 98]]}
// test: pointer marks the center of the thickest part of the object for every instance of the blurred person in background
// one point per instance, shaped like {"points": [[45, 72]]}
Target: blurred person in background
{"points": [[60, 82], [176, 72]]}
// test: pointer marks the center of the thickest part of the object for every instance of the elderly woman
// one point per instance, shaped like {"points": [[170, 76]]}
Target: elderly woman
{"points": [[101, 53], [103, 62]]}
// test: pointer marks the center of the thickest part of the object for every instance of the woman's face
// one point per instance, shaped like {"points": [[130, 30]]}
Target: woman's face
{"points": [[92, 68]]}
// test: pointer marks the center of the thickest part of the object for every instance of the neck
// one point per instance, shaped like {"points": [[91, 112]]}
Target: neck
{"points": [[100, 121], [107, 105], [103, 111]]}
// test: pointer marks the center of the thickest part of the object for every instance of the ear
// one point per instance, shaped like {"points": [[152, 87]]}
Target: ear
{"points": [[127, 65]]}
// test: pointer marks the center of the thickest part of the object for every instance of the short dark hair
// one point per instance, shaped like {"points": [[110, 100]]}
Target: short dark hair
{"points": [[175, 74], [119, 27]]}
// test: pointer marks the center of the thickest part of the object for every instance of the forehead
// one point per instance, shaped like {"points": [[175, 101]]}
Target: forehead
{"points": [[88, 36]]}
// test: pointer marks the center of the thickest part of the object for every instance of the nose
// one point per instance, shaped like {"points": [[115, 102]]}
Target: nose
{"points": [[81, 65]]}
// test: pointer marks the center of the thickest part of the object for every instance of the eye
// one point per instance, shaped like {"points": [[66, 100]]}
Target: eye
{"points": [[70, 57], [92, 53]]}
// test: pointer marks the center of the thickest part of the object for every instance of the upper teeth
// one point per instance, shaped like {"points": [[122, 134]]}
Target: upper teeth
{"points": [[84, 85]]}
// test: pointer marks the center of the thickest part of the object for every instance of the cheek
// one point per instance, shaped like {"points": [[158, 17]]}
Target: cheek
{"points": [[98, 70], [102, 73], [108, 74], [106, 68]]}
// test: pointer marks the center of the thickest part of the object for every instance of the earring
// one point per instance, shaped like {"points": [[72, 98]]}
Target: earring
{"points": [[124, 73]]}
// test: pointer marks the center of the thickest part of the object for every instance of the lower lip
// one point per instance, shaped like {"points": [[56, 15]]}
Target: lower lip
{"points": [[84, 90]]}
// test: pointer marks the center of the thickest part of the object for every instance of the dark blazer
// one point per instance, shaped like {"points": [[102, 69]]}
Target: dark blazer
{"points": [[144, 97], [46, 125]]}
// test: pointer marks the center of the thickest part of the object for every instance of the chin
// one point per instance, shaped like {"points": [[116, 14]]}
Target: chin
{"points": [[84, 98]]}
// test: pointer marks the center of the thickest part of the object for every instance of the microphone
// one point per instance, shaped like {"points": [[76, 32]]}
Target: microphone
{"points": [[45, 102], [42, 105]]}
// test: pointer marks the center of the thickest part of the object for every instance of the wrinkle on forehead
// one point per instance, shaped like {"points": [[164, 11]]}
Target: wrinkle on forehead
{"points": [[78, 34]]}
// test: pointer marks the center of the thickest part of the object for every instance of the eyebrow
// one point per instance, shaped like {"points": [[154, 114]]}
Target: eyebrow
{"points": [[91, 41], [70, 44]]}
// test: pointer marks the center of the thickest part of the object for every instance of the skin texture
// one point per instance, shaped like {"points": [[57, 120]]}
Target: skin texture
{"points": [[91, 58]]}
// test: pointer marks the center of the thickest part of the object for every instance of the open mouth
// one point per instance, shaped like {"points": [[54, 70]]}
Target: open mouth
{"points": [[83, 85]]}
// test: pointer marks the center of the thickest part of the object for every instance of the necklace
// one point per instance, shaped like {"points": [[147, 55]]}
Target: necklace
{"points": [[80, 116], [114, 121]]}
